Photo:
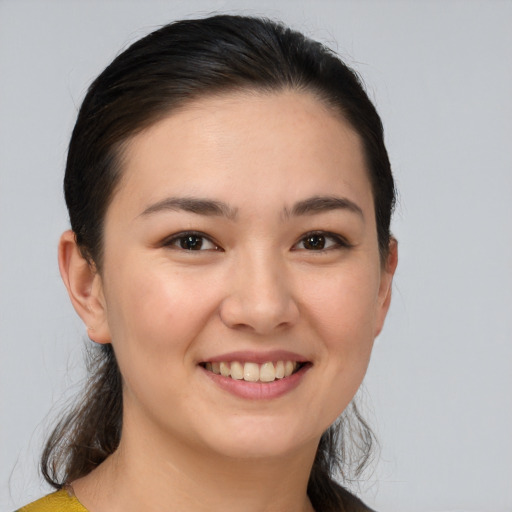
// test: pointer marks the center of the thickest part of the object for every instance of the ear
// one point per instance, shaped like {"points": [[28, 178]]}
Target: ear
{"points": [[386, 282], [85, 288]]}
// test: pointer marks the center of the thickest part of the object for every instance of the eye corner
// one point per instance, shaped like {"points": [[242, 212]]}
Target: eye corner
{"points": [[191, 242], [319, 241]]}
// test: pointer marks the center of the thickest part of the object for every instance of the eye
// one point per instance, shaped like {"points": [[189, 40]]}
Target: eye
{"points": [[320, 241], [191, 241]]}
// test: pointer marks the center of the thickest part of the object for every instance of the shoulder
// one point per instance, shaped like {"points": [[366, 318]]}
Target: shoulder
{"points": [[59, 501]]}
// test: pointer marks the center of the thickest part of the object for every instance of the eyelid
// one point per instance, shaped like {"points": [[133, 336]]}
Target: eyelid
{"points": [[340, 241], [171, 240]]}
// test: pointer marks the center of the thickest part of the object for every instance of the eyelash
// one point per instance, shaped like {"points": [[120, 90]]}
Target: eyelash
{"points": [[337, 241], [175, 239]]}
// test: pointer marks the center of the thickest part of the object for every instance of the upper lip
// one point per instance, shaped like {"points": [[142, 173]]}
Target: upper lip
{"points": [[257, 357]]}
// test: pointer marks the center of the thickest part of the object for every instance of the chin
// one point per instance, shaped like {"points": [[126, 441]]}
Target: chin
{"points": [[262, 440]]}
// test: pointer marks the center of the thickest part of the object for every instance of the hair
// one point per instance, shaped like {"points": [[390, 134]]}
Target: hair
{"points": [[160, 73]]}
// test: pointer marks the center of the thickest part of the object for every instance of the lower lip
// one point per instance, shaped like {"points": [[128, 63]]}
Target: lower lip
{"points": [[258, 390]]}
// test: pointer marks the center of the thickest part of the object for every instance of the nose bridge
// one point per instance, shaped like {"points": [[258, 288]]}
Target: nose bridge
{"points": [[260, 297]]}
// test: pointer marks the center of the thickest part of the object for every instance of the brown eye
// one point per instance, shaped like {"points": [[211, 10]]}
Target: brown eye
{"points": [[191, 242], [314, 242], [321, 241]]}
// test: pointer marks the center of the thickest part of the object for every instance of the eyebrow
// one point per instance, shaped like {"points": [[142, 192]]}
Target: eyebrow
{"points": [[211, 207], [196, 205], [320, 204]]}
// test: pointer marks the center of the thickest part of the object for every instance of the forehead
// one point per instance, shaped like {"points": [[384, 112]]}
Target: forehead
{"points": [[236, 144]]}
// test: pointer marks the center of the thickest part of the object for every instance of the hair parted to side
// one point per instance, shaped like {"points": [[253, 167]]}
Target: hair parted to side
{"points": [[157, 75]]}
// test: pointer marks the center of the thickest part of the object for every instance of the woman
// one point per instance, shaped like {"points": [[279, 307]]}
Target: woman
{"points": [[230, 198]]}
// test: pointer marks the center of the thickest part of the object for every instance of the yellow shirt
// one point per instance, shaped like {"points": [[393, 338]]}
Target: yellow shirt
{"points": [[59, 501]]}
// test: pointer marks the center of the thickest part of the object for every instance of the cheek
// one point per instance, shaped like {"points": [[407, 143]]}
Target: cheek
{"points": [[344, 306], [343, 314], [156, 312], [155, 317]]}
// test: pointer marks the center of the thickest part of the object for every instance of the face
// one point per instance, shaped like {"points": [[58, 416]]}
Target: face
{"points": [[242, 286]]}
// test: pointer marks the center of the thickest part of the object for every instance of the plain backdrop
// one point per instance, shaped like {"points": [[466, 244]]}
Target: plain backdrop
{"points": [[439, 386]]}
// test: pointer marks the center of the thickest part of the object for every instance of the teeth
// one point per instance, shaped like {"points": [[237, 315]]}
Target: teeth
{"points": [[224, 369], [237, 371], [253, 372], [267, 372], [279, 370]]}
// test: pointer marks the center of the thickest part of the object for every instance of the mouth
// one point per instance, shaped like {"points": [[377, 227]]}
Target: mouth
{"points": [[248, 371]]}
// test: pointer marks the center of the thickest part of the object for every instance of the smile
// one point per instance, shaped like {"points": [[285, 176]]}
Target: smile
{"points": [[252, 371]]}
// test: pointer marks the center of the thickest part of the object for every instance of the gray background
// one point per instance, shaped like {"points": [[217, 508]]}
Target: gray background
{"points": [[439, 387]]}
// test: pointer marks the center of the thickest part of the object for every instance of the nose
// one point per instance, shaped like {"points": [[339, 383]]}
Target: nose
{"points": [[260, 297]]}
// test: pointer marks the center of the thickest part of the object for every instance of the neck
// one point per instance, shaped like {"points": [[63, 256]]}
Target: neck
{"points": [[148, 474]]}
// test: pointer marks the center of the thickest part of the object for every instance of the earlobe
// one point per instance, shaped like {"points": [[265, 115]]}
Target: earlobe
{"points": [[386, 282], [85, 288]]}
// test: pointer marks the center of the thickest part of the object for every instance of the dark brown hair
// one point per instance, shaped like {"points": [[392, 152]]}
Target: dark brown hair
{"points": [[155, 76]]}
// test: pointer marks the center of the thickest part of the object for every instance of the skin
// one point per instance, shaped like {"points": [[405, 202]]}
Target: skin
{"points": [[255, 286]]}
